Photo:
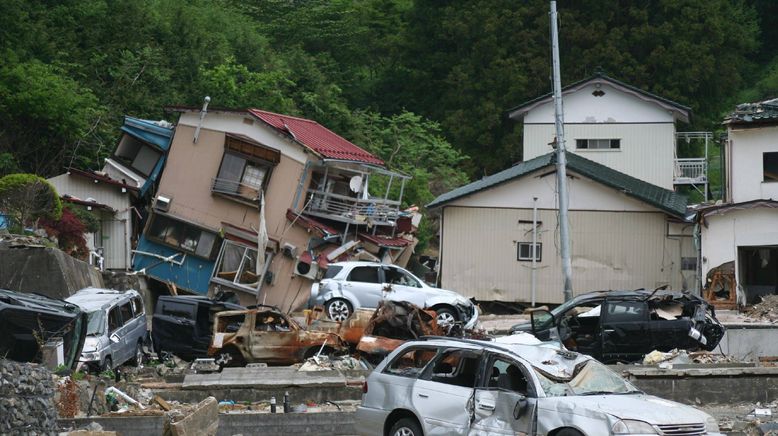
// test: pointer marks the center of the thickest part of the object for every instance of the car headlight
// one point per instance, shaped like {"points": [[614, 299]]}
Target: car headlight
{"points": [[90, 356], [711, 426], [631, 426]]}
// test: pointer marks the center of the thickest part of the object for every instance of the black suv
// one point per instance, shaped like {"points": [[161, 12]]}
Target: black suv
{"points": [[623, 326], [183, 325]]}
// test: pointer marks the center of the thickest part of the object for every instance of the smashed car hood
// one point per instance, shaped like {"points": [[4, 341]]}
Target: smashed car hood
{"points": [[626, 406], [92, 344]]}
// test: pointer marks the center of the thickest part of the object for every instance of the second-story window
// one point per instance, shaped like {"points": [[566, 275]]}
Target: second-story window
{"points": [[598, 144], [183, 236], [770, 167], [245, 168]]}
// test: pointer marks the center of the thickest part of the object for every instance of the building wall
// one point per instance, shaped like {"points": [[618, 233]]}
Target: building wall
{"points": [[188, 177], [116, 228], [736, 228], [610, 250], [647, 150], [745, 163]]}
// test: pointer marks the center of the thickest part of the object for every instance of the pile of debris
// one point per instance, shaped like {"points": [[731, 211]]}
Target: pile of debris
{"points": [[26, 399], [767, 309], [683, 357]]}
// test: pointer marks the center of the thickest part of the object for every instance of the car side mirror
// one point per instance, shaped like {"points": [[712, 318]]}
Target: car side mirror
{"points": [[518, 409], [541, 319], [114, 338]]}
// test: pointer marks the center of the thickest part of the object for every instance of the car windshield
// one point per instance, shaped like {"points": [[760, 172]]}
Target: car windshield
{"points": [[590, 378], [95, 323]]}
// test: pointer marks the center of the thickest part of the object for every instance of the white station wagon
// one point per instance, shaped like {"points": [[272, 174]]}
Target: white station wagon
{"points": [[463, 387]]}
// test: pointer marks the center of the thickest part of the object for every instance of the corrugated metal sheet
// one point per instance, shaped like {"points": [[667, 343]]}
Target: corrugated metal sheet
{"points": [[647, 150], [317, 137], [611, 250]]}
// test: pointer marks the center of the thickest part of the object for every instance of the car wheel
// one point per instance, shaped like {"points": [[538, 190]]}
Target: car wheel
{"points": [[445, 317], [339, 309], [107, 364], [568, 432], [138, 359], [233, 357], [406, 427]]}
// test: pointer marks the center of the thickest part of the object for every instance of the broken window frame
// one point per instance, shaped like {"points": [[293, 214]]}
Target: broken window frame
{"points": [[770, 167], [528, 257], [241, 267], [246, 155], [185, 228], [598, 144], [130, 152]]}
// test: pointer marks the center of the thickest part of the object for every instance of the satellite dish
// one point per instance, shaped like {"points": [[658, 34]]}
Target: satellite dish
{"points": [[355, 183]]}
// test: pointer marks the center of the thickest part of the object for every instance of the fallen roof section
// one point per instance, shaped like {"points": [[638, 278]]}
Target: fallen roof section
{"points": [[758, 113], [663, 199]]}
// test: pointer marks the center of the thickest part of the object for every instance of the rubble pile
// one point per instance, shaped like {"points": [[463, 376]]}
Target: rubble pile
{"points": [[682, 357], [26, 399], [767, 309]]}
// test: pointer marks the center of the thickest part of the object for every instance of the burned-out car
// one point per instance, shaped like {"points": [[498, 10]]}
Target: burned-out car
{"points": [[266, 334], [623, 326], [443, 386], [28, 321], [394, 323], [183, 324]]}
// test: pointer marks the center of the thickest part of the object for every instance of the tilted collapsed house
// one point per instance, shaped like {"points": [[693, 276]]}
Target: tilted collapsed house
{"points": [[739, 237], [326, 200], [628, 228]]}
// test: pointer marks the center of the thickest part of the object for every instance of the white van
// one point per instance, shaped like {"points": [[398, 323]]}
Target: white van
{"points": [[116, 327]]}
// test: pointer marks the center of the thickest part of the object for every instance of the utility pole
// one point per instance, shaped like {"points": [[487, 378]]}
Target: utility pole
{"points": [[561, 161]]}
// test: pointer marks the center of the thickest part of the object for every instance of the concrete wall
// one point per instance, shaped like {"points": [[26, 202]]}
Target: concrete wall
{"points": [[610, 250], [48, 271], [744, 165]]}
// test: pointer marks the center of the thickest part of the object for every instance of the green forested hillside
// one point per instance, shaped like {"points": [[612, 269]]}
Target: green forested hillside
{"points": [[425, 83]]}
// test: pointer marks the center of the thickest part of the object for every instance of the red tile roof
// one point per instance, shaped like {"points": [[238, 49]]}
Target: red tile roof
{"points": [[384, 241], [101, 177], [317, 137]]}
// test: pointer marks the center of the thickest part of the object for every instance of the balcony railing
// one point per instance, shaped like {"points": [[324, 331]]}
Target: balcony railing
{"points": [[236, 190], [690, 171], [353, 210]]}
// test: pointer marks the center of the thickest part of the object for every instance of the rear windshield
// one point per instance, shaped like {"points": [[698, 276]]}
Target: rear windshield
{"points": [[332, 271]]}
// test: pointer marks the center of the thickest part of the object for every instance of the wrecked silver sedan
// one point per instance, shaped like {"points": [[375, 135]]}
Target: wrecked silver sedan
{"points": [[442, 386]]}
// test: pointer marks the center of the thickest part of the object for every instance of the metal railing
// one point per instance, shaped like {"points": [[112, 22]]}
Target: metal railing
{"points": [[235, 189], [691, 170], [351, 209]]}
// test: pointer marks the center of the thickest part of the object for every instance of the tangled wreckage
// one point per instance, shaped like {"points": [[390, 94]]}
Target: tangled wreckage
{"points": [[623, 326]]}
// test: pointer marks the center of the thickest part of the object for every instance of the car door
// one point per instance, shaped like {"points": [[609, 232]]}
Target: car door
{"points": [[364, 282], [273, 338], [442, 396], [125, 333], [505, 399], [139, 327], [115, 339], [400, 285], [624, 330]]}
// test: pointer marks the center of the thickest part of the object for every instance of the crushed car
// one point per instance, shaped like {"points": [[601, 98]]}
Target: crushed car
{"points": [[394, 323], [623, 326], [463, 387], [182, 325], [266, 334], [28, 321]]}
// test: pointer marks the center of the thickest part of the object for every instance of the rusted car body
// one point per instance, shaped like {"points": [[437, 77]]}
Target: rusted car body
{"points": [[394, 323], [265, 334], [350, 331]]}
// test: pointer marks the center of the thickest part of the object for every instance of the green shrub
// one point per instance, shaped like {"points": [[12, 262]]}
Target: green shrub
{"points": [[25, 198]]}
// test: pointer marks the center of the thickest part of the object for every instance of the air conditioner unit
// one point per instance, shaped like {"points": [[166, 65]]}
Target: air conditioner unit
{"points": [[289, 250], [308, 270], [162, 204]]}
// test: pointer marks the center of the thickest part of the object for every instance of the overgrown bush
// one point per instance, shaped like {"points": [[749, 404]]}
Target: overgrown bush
{"points": [[26, 198], [69, 231]]}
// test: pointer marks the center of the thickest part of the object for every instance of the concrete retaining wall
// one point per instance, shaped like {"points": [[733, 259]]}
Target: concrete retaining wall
{"points": [[47, 271], [749, 342], [333, 423]]}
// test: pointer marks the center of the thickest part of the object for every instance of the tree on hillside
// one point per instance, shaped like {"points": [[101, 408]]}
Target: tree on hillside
{"points": [[26, 198]]}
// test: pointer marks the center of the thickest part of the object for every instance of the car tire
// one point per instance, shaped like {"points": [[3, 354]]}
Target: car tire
{"points": [[406, 427], [568, 432], [446, 316], [138, 359], [338, 309], [236, 358], [107, 364]]}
